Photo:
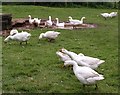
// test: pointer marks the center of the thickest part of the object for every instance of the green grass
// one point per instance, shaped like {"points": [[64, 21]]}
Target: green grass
{"points": [[36, 68], [0, 65]]}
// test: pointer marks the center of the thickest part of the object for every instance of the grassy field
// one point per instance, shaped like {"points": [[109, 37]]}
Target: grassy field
{"points": [[36, 68]]}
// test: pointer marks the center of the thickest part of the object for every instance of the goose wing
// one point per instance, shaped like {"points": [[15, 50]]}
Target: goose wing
{"points": [[86, 72], [52, 34]]}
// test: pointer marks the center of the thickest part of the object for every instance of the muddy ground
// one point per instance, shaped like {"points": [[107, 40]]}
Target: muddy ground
{"points": [[23, 24]]}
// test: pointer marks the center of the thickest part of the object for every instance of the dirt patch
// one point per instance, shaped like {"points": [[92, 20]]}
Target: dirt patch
{"points": [[80, 26], [23, 24]]}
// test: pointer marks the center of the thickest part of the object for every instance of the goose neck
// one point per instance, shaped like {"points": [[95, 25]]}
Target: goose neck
{"points": [[60, 54], [67, 52], [11, 37], [82, 19], [75, 65], [70, 19], [7, 39], [50, 18], [57, 21], [41, 35], [30, 17]]}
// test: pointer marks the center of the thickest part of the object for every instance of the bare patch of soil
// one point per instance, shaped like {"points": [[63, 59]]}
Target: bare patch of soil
{"points": [[23, 24]]}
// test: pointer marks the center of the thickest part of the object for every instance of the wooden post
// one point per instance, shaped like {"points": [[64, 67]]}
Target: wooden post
{"points": [[6, 21]]}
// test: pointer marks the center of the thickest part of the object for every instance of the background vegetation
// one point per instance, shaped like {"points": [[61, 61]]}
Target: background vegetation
{"points": [[111, 5]]}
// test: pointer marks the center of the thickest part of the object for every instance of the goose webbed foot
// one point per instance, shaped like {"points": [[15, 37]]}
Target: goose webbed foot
{"points": [[63, 66], [26, 42], [50, 40], [96, 86], [20, 43], [84, 86]]}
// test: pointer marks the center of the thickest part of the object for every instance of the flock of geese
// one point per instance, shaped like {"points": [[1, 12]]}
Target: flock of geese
{"points": [[50, 35], [24, 36], [109, 15], [49, 22], [84, 67]]}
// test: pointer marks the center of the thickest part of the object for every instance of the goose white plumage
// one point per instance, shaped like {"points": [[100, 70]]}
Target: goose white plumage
{"points": [[13, 31], [31, 21], [59, 24], [73, 21], [63, 57], [38, 21], [81, 21], [105, 15], [93, 62], [76, 22], [84, 60], [21, 37], [50, 35], [113, 14], [85, 75], [108, 15], [49, 22]]}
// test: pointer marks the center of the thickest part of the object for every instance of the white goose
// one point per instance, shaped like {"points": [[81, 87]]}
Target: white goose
{"points": [[85, 75], [21, 37], [84, 60], [76, 22], [59, 24], [50, 35], [63, 57], [49, 22], [13, 32], [31, 21], [105, 15], [38, 21], [113, 14], [81, 21]]}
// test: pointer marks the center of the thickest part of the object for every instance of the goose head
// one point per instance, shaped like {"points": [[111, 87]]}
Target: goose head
{"points": [[56, 18], [60, 54], [13, 32], [29, 16], [41, 35], [7, 39], [49, 17], [58, 33], [63, 50], [83, 18], [28, 35], [70, 18]]}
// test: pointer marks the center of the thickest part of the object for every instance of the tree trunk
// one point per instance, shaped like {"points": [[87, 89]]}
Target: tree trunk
{"points": [[65, 3], [115, 5]]}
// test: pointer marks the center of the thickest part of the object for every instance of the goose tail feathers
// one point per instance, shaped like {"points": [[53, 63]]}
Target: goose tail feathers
{"points": [[97, 78], [101, 61]]}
